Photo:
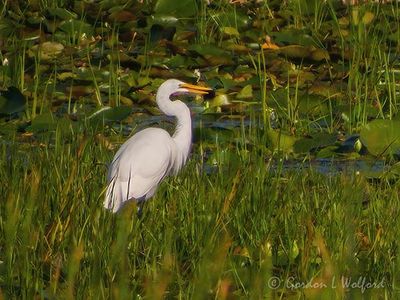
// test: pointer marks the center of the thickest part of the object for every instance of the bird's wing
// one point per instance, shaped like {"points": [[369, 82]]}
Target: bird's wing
{"points": [[139, 166]]}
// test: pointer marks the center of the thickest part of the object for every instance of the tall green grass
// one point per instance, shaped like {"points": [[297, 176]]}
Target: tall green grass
{"points": [[205, 234]]}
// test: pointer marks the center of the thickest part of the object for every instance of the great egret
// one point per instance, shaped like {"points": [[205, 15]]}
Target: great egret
{"points": [[151, 154]]}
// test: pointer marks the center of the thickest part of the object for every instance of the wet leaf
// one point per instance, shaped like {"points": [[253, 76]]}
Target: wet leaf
{"points": [[164, 20], [179, 9], [327, 152], [312, 105], [295, 51], [327, 91], [111, 114], [78, 91], [66, 75], [76, 27], [236, 19], [381, 137], [319, 55], [48, 50], [281, 141], [246, 92], [122, 16], [318, 140], [219, 100], [231, 31], [43, 122], [293, 36], [300, 77], [62, 13], [210, 50]]}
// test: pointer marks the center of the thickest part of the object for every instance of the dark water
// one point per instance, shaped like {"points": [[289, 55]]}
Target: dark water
{"points": [[332, 166]]}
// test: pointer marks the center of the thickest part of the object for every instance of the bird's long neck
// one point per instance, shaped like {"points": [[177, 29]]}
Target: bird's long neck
{"points": [[183, 132]]}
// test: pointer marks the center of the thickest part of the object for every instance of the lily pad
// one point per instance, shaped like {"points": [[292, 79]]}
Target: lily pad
{"points": [[318, 140], [381, 137], [293, 36], [48, 122], [48, 50], [319, 55], [180, 9], [207, 50], [230, 31], [246, 92], [74, 27], [111, 114], [281, 141], [43, 122], [295, 51], [62, 13], [236, 19]]}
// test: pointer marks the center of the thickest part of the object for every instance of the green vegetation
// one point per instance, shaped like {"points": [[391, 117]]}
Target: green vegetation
{"points": [[299, 85]]}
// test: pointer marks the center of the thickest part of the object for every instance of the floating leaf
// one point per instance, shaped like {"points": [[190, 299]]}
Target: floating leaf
{"points": [[281, 141], [219, 100], [313, 105], [66, 75], [122, 16], [62, 13], [327, 91], [381, 137], [111, 114], [74, 27], [295, 51], [48, 50], [318, 140], [78, 91], [327, 152], [179, 9], [43, 122], [210, 49], [164, 20], [176, 61], [293, 36], [246, 92], [319, 55], [230, 31], [232, 18]]}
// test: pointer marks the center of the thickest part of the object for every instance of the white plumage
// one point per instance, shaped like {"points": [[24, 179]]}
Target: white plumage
{"points": [[151, 154]]}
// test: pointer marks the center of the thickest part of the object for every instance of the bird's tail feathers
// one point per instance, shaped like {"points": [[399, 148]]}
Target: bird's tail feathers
{"points": [[116, 195]]}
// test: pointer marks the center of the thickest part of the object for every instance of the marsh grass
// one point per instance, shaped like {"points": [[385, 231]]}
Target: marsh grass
{"points": [[203, 235]]}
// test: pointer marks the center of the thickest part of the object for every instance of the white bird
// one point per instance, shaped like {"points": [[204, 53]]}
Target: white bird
{"points": [[151, 154]]}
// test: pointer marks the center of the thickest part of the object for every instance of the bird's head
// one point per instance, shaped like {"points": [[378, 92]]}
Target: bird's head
{"points": [[174, 87]]}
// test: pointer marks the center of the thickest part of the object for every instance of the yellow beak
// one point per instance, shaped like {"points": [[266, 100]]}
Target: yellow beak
{"points": [[196, 89]]}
